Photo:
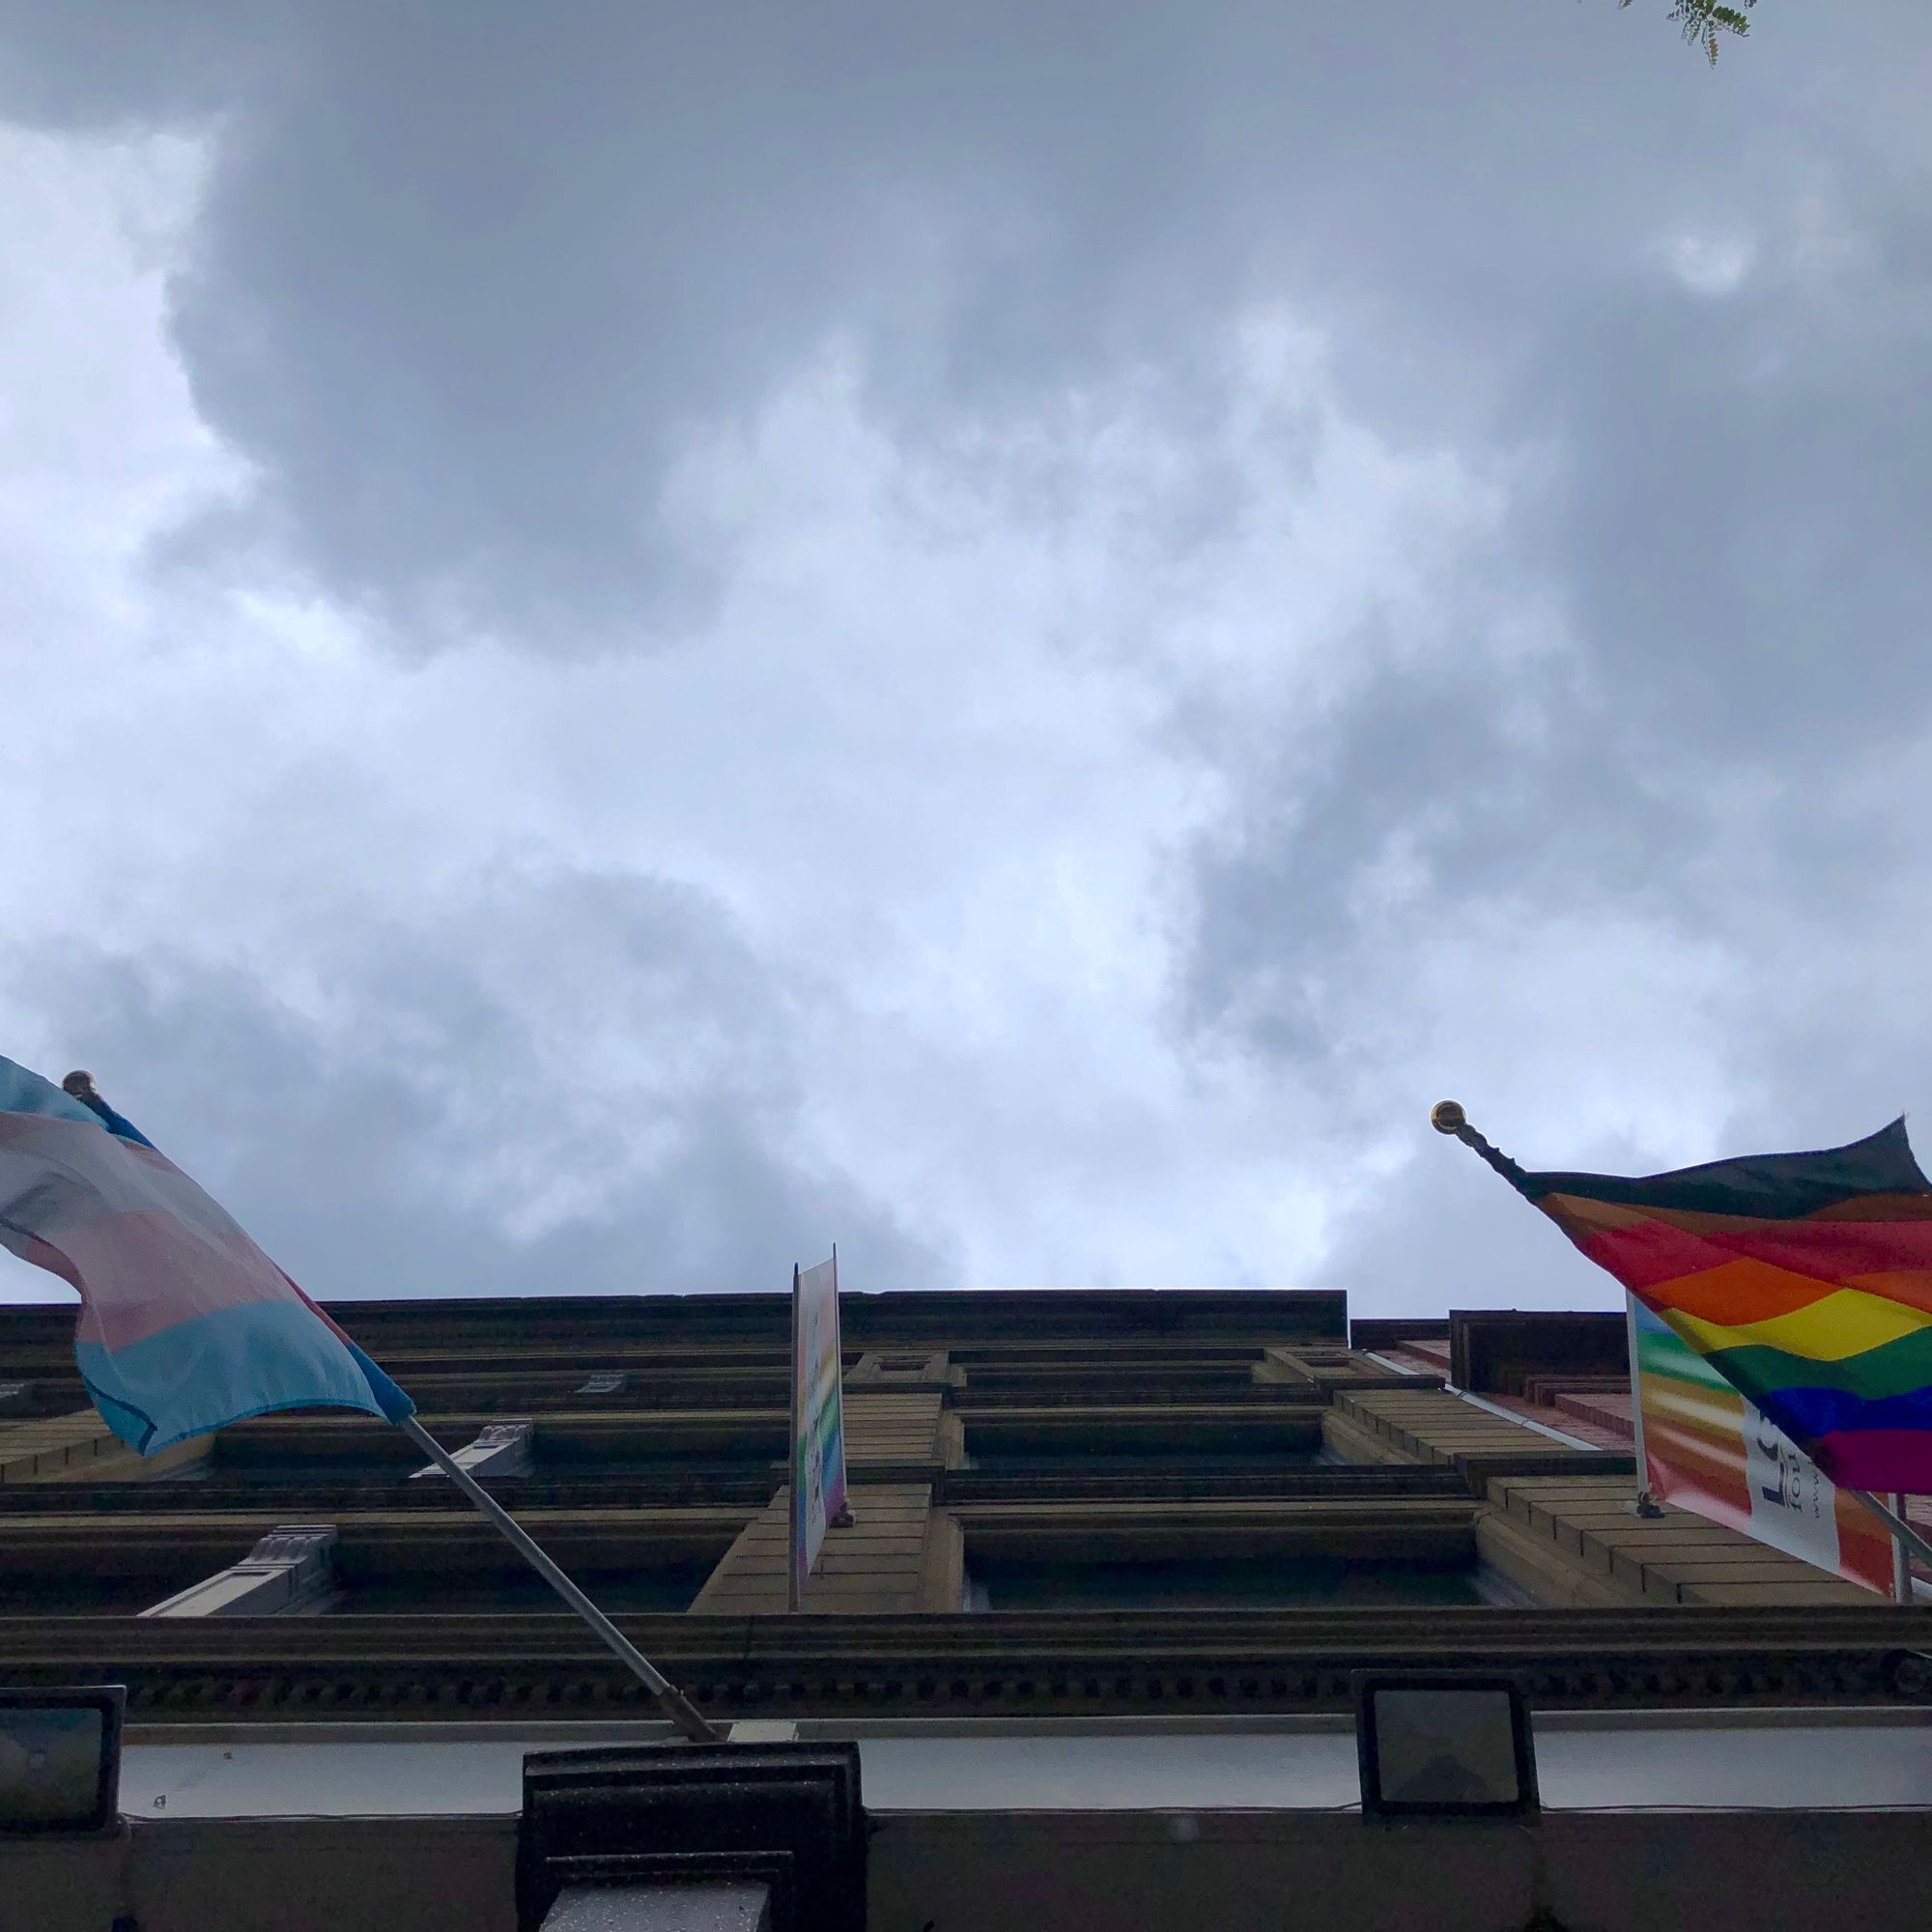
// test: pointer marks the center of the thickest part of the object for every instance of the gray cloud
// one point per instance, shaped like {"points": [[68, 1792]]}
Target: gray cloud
{"points": [[466, 276], [1534, 697], [570, 1085], [126, 66]]}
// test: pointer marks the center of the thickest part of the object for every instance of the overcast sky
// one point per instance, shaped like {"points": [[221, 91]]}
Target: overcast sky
{"points": [[640, 638]]}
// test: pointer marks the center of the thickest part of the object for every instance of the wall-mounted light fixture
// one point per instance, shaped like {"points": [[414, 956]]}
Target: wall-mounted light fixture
{"points": [[1443, 1744], [60, 1758]]}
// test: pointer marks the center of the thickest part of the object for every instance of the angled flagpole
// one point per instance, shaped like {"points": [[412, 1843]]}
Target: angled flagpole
{"points": [[1903, 1538], [690, 1722], [794, 1481], [1901, 1555], [1447, 1116]]}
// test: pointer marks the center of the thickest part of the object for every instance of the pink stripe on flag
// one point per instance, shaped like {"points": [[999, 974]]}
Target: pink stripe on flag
{"points": [[144, 1272], [145, 1246]]}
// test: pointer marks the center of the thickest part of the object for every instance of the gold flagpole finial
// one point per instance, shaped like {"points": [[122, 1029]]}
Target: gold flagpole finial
{"points": [[80, 1084], [1447, 1116]]}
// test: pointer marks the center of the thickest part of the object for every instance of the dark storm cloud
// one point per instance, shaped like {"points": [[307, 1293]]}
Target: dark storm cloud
{"points": [[466, 274], [574, 1085], [1740, 527], [129, 65]]}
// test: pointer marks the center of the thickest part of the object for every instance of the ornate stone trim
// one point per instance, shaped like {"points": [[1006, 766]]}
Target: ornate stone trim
{"points": [[1069, 1663]]}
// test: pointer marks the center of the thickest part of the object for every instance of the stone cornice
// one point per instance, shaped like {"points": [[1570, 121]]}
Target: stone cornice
{"points": [[1237, 1400], [469, 1334], [1070, 1663]]}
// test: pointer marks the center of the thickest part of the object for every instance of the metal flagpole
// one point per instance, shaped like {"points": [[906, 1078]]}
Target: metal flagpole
{"points": [[1646, 1504], [690, 1722], [792, 1483], [1447, 1116], [844, 1519], [1904, 1536], [1901, 1558]]}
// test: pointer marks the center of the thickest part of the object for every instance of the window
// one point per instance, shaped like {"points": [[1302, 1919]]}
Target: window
{"points": [[1308, 1553], [298, 1448], [666, 1584], [331, 1453], [1149, 1375], [1265, 1439], [1265, 1581], [77, 1593], [293, 1471], [662, 1445]]}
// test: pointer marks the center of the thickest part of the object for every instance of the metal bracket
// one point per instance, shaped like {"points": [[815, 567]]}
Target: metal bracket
{"points": [[292, 1565], [500, 1449]]}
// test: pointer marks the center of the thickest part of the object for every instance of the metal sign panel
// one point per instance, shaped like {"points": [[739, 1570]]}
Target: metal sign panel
{"points": [[818, 1418]]}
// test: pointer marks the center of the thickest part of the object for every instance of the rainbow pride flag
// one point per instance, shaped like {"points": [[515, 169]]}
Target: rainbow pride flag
{"points": [[185, 1324], [1804, 1280]]}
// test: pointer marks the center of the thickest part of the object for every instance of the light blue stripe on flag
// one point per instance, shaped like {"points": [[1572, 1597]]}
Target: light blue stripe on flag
{"points": [[227, 1365]]}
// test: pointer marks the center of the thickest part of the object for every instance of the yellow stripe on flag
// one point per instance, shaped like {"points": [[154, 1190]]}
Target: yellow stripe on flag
{"points": [[1847, 1322]]}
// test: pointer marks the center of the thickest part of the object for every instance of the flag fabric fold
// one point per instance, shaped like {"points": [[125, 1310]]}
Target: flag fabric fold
{"points": [[185, 1324], [1803, 1279]]}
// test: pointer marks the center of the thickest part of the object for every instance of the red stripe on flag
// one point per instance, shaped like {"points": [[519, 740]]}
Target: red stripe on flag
{"points": [[1833, 1249], [1645, 1253], [1727, 1292]]}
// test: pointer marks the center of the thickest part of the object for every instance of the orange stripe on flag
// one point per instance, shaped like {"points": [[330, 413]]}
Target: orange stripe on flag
{"points": [[1739, 1291], [1911, 1286]]}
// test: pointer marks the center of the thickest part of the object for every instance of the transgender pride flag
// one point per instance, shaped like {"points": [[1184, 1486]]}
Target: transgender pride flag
{"points": [[185, 1324]]}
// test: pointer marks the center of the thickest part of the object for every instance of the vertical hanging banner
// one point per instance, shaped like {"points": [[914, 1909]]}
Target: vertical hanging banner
{"points": [[817, 1417], [1708, 1450]]}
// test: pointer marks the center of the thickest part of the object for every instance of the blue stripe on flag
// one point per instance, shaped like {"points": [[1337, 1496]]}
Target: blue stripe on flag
{"points": [[118, 1124], [392, 1401], [228, 1365]]}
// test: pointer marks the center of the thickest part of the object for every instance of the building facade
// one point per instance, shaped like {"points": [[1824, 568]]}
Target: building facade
{"points": [[1115, 1558]]}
